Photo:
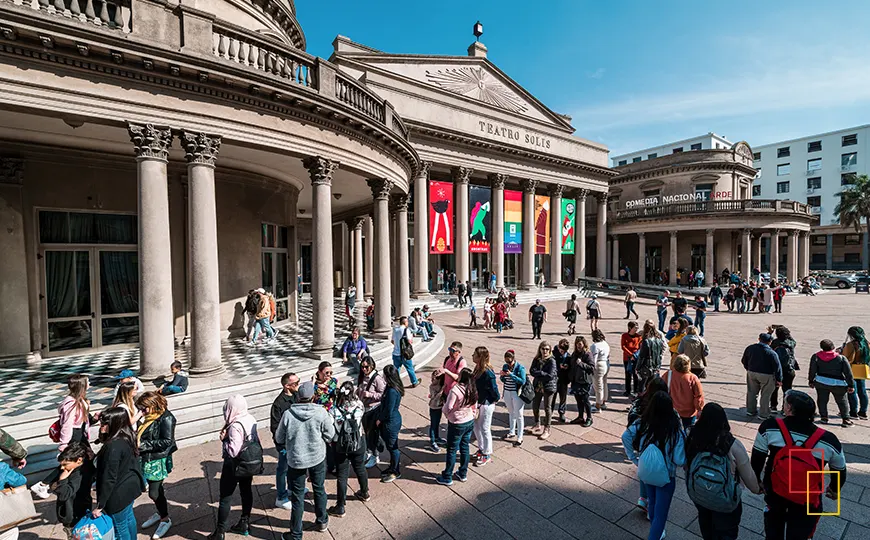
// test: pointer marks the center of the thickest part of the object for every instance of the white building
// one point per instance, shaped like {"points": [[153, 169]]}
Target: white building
{"points": [[813, 170], [710, 141]]}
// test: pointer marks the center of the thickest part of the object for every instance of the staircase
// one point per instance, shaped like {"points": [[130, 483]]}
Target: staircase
{"points": [[441, 302]]}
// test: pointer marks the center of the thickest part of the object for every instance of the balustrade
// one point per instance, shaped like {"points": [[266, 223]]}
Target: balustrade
{"points": [[263, 56], [112, 14], [707, 207], [351, 93]]}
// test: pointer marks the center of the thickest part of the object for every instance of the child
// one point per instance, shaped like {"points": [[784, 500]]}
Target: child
{"points": [[9, 477], [128, 375], [178, 384], [436, 401], [73, 488], [473, 312]]}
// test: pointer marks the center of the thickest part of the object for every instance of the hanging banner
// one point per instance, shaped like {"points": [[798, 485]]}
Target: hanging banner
{"points": [[480, 217], [513, 221], [569, 213], [542, 224], [440, 217]]}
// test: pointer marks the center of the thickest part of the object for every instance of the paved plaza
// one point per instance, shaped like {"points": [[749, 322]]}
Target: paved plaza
{"points": [[577, 484]]}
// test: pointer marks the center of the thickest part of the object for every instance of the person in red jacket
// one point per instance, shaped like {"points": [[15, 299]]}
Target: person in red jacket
{"points": [[630, 343]]}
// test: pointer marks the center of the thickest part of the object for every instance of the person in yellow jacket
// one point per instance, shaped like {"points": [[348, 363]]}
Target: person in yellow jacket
{"points": [[857, 352], [674, 342]]}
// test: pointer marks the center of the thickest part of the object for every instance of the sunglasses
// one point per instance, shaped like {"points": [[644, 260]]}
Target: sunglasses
{"points": [[327, 372]]}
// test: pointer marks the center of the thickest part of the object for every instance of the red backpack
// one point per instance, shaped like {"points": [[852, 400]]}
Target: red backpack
{"points": [[792, 467]]}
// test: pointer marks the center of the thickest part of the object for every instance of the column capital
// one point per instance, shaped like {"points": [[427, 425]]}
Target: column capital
{"points": [[399, 202], [529, 185], [357, 223], [320, 169], [423, 171], [11, 171], [641, 235], [673, 234], [150, 141], [555, 190], [793, 232], [497, 180], [805, 234], [199, 147], [601, 197], [747, 231], [613, 237], [461, 175], [380, 187], [580, 195], [710, 231]]}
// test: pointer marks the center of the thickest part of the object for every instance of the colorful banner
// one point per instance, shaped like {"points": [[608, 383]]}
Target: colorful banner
{"points": [[542, 224], [440, 217], [480, 216], [513, 221], [569, 213]]}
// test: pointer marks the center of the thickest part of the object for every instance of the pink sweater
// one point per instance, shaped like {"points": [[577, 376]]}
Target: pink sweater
{"points": [[453, 409], [70, 418]]}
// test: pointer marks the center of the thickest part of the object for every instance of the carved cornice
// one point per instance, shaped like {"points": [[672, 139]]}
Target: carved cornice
{"points": [[461, 175], [399, 202], [11, 171], [497, 180], [150, 142], [320, 169], [528, 185], [703, 166], [556, 190], [200, 148], [380, 187]]}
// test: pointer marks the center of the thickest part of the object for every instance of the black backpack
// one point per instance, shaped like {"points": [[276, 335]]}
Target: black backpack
{"points": [[249, 461], [787, 359], [348, 440]]}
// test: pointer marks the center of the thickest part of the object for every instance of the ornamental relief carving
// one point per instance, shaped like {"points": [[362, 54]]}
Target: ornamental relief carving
{"points": [[475, 82]]}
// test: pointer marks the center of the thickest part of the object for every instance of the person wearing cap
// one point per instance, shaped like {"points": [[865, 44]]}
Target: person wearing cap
{"points": [[305, 430], [128, 375], [763, 375]]}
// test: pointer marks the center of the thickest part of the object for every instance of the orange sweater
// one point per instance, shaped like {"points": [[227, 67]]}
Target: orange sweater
{"points": [[630, 345], [686, 391]]}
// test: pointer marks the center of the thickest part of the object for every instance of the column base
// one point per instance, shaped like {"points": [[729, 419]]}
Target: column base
{"points": [[554, 286], [207, 371], [527, 286], [421, 295], [382, 332], [320, 354]]}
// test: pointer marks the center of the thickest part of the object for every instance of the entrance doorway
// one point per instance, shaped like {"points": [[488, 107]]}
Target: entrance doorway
{"points": [[699, 257], [273, 267], [653, 264], [479, 270], [511, 270], [304, 285]]}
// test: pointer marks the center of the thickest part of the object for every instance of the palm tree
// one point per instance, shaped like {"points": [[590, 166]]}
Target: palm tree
{"points": [[854, 205]]}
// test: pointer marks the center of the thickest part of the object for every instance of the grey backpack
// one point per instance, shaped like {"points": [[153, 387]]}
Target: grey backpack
{"points": [[710, 483]]}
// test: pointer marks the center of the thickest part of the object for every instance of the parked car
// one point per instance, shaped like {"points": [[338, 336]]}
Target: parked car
{"points": [[840, 281], [765, 277]]}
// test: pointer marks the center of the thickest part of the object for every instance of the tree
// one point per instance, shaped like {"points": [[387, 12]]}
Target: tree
{"points": [[854, 205]]}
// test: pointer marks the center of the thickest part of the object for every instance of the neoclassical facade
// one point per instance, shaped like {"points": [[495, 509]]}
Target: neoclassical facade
{"points": [[693, 211]]}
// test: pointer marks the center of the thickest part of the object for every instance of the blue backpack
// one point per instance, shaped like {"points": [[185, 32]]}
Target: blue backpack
{"points": [[94, 528], [652, 468]]}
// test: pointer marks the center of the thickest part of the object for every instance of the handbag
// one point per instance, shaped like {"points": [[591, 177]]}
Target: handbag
{"points": [[527, 392], [94, 528], [249, 461], [16, 507]]}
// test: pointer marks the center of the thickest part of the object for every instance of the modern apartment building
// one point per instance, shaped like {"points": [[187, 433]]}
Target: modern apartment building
{"points": [[710, 141], [814, 170]]}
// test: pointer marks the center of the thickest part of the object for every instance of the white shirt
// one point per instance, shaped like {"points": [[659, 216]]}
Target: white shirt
{"points": [[398, 332], [600, 352]]}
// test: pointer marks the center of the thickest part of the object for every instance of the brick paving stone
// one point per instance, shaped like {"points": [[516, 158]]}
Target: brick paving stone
{"points": [[520, 521]]}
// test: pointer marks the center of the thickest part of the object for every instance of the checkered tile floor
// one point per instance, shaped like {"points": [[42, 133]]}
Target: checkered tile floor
{"points": [[25, 389]]}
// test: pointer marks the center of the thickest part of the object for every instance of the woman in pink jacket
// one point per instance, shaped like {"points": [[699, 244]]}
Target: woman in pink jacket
{"points": [[459, 408]]}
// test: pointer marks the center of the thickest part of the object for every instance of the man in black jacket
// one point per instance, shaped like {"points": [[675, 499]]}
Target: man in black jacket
{"points": [[763, 375], [287, 397]]}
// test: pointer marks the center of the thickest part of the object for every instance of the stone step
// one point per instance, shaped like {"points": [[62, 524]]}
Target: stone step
{"points": [[441, 302]]}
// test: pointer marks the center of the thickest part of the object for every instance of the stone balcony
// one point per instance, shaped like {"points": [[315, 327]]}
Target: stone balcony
{"points": [[750, 207]]}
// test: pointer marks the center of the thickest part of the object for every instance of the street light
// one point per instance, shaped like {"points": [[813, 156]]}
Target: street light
{"points": [[478, 30]]}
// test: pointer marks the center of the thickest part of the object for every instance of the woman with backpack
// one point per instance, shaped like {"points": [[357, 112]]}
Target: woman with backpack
{"points": [[513, 377], [601, 355], [656, 444], [857, 353], [712, 449], [783, 345], [487, 397], [119, 480], [389, 421], [545, 382], [580, 376], [239, 442], [635, 410], [350, 446], [156, 438], [370, 386], [459, 408], [649, 357], [831, 374]]}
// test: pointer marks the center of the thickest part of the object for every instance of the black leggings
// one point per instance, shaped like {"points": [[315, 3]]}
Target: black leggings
{"points": [[155, 491], [581, 394], [787, 380], [562, 394], [344, 462], [228, 484]]}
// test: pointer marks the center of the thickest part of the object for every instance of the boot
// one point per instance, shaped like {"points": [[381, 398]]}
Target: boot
{"points": [[242, 527], [217, 535]]}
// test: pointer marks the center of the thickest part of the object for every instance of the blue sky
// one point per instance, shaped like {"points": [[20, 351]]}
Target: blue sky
{"points": [[638, 74]]}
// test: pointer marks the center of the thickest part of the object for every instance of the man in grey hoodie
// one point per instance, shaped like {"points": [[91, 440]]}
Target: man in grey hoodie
{"points": [[306, 428]]}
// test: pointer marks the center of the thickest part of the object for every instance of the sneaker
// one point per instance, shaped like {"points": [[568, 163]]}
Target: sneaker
{"points": [[862, 416], [847, 423], [321, 527], [641, 503], [251, 343], [288, 505], [434, 447], [414, 385], [40, 490], [363, 496], [152, 521], [578, 420], [483, 460], [477, 455], [518, 442], [824, 420], [587, 423], [275, 335], [509, 437], [462, 478], [335, 511], [390, 477], [442, 442], [664, 533], [444, 481], [372, 461], [162, 529], [751, 414], [545, 435], [279, 503]]}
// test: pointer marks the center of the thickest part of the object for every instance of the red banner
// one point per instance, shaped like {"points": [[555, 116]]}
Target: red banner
{"points": [[441, 217]]}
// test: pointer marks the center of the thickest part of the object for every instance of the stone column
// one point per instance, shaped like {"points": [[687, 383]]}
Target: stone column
{"points": [[614, 261], [461, 175], [528, 233], [346, 257], [358, 279], [804, 255], [368, 258], [580, 234], [156, 338], [608, 256], [791, 260], [421, 231], [381, 254], [829, 252], [756, 251], [865, 249], [746, 262], [392, 243], [672, 256], [641, 258], [709, 268], [774, 254], [18, 278], [403, 286], [497, 182], [323, 306], [555, 236], [201, 150], [601, 237]]}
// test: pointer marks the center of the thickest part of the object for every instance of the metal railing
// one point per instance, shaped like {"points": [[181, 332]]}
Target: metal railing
{"points": [[708, 207]]}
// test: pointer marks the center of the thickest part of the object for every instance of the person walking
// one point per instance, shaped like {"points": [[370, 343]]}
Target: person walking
{"points": [[635, 410], [513, 378], [350, 446], [700, 314], [763, 375], [282, 403], [571, 310], [562, 354], [857, 353], [350, 304], [649, 357], [469, 294], [711, 448], [306, 428], [264, 313], [580, 375], [630, 344], [696, 348], [783, 345], [460, 294], [831, 374], [389, 421], [156, 438], [487, 397], [537, 316], [545, 383], [593, 308], [459, 408], [629, 300], [601, 355], [657, 433], [119, 479], [792, 498], [370, 386], [436, 402], [685, 390], [662, 304], [400, 358]]}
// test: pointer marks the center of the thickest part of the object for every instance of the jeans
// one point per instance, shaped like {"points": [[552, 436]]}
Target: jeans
{"points": [[398, 362], [629, 309], [757, 384], [124, 523], [741, 305], [281, 476], [371, 430], [263, 324], [823, 393], [458, 438], [228, 484], [784, 519], [631, 376], [787, 380], [663, 314], [547, 399], [435, 425], [581, 394], [600, 378], [169, 390], [719, 525], [860, 395], [658, 504], [699, 323], [536, 328], [343, 463], [562, 394], [157, 494], [715, 303], [427, 326], [777, 305], [483, 428], [516, 421], [296, 479], [421, 331], [391, 440]]}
